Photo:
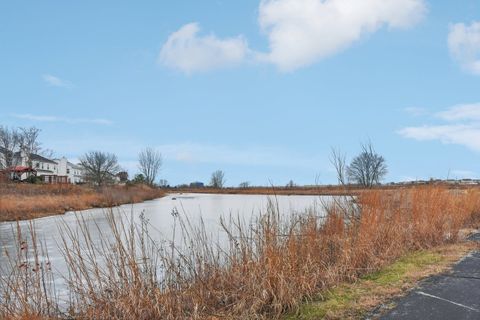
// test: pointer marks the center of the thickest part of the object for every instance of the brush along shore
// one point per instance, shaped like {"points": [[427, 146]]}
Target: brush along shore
{"points": [[30, 201], [267, 268]]}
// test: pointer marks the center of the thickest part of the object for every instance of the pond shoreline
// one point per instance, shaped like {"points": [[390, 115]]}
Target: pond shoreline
{"points": [[265, 266], [320, 190], [25, 202]]}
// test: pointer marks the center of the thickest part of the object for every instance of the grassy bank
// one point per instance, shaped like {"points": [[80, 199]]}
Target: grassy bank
{"points": [[376, 290], [321, 190], [268, 268], [28, 201]]}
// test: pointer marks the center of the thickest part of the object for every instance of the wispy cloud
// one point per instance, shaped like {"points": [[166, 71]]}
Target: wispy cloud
{"points": [[195, 154], [223, 154], [461, 125], [464, 45], [48, 118], [465, 112], [54, 81], [416, 111]]}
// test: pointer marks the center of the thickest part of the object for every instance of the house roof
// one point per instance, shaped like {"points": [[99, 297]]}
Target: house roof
{"points": [[75, 166], [19, 169], [34, 157], [39, 158]]}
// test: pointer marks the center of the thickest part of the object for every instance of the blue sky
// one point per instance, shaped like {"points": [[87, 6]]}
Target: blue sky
{"points": [[260, 89]]}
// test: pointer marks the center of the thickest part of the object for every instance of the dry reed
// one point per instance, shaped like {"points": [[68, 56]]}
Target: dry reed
{"points": [[265, 267], [27, 201]]}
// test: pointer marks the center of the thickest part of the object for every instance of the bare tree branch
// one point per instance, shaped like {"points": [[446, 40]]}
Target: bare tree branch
{"points": [[338, 160], [29, 143], [218, 179], [368, 168], [100, 167], [10, 141], [149, 163]]}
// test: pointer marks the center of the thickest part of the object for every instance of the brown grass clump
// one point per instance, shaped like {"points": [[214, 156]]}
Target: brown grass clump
{"points": [[27, 201], [265, 268]]}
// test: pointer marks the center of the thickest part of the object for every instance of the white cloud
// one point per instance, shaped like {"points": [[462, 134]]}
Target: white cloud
{"points": [[466, 135], [48, 118], [462, 127], [416, 112], [188, 52], [222, 154], [301, 32], [464, 45], [461, 112], [55, 81]]}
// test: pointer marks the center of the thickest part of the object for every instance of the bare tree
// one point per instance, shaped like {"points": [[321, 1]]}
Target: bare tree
{"points": [[29, 143], [162, 183], [47, 153], [218, 179], [149, 163], [338, 160], [10, 141], [100, 167], [244, 185], [368, 168]]}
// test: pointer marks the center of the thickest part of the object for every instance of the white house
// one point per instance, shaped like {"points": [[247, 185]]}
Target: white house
{"points": [[43, 166], [73, 172], [51, 171]]}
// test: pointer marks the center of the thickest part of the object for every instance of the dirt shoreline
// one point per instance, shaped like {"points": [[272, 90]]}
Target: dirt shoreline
{"points": [[330, 190], [25, 202]]}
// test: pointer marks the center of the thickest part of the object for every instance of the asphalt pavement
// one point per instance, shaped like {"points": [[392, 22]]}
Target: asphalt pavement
{"points": [[454, 295]]}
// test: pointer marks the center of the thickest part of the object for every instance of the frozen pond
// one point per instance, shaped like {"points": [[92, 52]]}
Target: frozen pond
{"points": [[159, 215]]}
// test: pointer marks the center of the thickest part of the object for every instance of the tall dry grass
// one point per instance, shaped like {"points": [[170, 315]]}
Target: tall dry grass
{"points": [[27, 201], [27, 289], [263, 269]]}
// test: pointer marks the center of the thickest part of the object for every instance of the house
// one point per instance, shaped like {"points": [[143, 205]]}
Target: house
{"points": [[17, 172], [197, 184], [50, 171], [72, 172], [122, 176], [21, 167], [45, 168]]}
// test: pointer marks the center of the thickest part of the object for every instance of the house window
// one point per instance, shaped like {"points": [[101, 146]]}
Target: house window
{"points": [[68, 171], [37, 165]]}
